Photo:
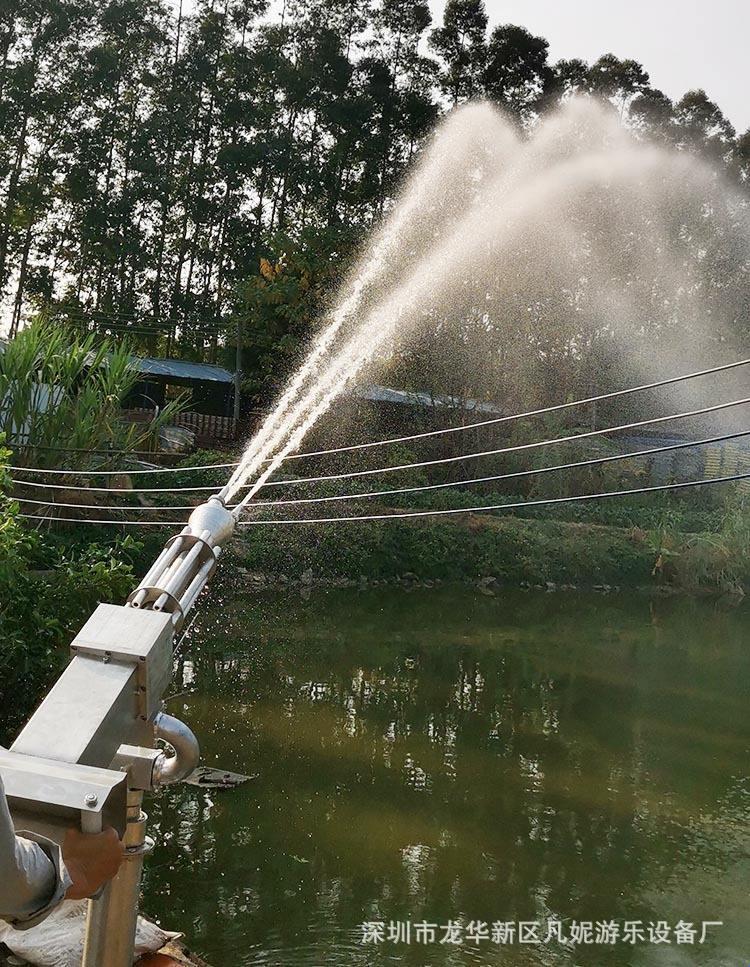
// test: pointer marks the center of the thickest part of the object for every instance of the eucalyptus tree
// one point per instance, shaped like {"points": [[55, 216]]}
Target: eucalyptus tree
{"points": [[619, 81], [406, 109], [516, 73], [651, 114], [703, 128], [155, 155], [461, 43], [743, 156], [41, 41], [104, 190]]}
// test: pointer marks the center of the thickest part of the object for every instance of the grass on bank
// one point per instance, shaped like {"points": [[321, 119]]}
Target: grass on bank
{"points": [[511, 549]]}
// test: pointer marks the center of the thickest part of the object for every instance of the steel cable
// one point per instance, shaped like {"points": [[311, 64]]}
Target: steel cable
{"points": [[517, 448], [507, 506], [416, 436], [423, 463], [536, 471], [419, 513]]}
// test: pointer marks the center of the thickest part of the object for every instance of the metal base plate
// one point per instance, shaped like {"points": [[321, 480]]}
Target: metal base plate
{"points": [[208, 778]]}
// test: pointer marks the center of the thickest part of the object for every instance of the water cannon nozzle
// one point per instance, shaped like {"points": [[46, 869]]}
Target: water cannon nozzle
{"points": [[214, 518], [187, 562]]}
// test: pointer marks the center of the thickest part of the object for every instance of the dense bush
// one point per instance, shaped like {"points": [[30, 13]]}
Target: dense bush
{"points": [[647, 541], [47, 589], [718, 561], [61, 396], [507, 548]]}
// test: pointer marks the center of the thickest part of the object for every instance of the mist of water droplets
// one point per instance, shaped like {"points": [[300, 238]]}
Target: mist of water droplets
{"points": [[488, 219]]}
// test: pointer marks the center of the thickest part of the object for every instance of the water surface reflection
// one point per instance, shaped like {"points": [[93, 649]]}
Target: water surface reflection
{"points": [[440, 755]]}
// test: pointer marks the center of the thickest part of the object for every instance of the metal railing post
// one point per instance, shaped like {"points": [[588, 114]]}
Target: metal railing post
{"points": [[112, 917]]}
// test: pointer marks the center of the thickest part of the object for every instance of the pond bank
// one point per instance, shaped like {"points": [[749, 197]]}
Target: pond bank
{"points": [[490, 552], [52, 582]]}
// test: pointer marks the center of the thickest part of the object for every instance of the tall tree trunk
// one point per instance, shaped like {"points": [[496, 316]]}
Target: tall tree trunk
{"points": [[124, 220], [170, 177], [20, 155], [115, 103], [205, 153], [15, 322]]}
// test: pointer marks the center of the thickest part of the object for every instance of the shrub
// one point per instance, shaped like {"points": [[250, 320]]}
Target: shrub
{"points": [[46, 591], [60, 393]]}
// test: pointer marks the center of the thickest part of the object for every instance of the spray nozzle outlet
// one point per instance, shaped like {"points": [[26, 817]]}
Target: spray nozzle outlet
{"points": [[183, 568], [212, 521]]}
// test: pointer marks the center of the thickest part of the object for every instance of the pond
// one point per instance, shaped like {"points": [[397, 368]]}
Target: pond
{"points": [[462, 762]]}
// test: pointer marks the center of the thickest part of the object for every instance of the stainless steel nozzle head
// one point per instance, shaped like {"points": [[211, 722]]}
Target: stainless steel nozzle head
{"points": [[213, 517]]}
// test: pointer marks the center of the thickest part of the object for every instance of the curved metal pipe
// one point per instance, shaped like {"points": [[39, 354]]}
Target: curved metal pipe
{"points": [[175, 733]]}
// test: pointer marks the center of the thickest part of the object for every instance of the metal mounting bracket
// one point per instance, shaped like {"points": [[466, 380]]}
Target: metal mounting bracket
{"points": [[139, 763], [116, 634], [47, 797]]}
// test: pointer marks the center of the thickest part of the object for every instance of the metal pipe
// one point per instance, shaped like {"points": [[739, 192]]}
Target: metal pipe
{"points": [[111, 923], [181, 577], [170, 769], [162, 562], [180, 571], [196, 586], [161, 602], [173, 582]]}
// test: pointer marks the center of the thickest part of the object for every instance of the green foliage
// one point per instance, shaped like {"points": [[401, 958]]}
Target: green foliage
{"points": [[718, 561], [280, 304], [507, 548], [517, 73], [63, 392], [462, 46], [152, 153], [46, 591], [645, 540], [196, 478]]}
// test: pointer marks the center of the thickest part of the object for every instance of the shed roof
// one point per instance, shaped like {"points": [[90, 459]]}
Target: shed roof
{"points": [[384, 394], [182, 369]]}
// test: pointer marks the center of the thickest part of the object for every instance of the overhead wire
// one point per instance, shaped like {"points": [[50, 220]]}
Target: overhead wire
{"points": [[101, 450], [535, 471], [118, 317], [118, 473], [517, 448], [113, 490], [84, 314], [112, 523], [191, 328], [145, 509], [506, 506], [124, 322], [419, 513], [429, 433], [555, 408]]}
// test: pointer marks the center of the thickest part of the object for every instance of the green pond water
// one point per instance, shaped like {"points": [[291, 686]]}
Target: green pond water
{"points": [[444, 756]]}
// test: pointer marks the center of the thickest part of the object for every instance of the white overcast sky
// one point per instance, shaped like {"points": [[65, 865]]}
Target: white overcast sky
{"points": [[683, 44]]}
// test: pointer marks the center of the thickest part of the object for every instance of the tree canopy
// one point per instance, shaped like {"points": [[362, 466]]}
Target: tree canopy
{"points": [[154, 156]]}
